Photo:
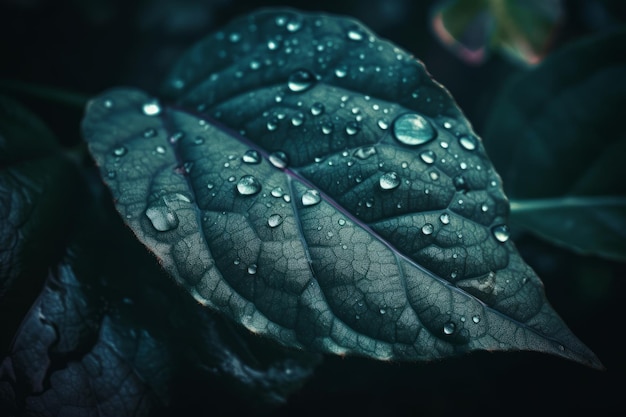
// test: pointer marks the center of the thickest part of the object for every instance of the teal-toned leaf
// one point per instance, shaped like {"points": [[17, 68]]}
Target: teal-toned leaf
{"points": [[557, 138], [313, 183], [38, 188], [520, 29]]}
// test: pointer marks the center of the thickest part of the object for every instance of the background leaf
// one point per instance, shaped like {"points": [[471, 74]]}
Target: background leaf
{"points": [[557, 139], [336, 222]]}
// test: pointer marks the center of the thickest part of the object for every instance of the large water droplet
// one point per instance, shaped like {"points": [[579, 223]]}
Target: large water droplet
{"points": [[449, 328], [279, 159], [428, 157], [163, 219], [501, 233], [251, 156], [311, 198], [412, 129], [389, 181], [274, 220], [248, 185], [468, 142], [428, 229], [300, 80], [365, 152], [151, 108]]}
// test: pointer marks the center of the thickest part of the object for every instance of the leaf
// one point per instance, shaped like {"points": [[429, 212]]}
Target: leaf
{"points": [[111, 334], [313, 183], [557, 138], [522, 30], [37, 188]]}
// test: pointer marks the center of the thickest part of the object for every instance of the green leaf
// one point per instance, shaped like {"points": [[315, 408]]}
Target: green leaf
{"points": [[313, 183], [556, 135]]}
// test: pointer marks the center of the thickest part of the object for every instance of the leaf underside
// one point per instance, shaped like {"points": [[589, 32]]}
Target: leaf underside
{"points": [[313, 183]]}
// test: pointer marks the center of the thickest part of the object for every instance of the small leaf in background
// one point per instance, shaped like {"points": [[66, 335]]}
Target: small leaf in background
{"points": [[556, 136], [313, 183], [520, 29]]}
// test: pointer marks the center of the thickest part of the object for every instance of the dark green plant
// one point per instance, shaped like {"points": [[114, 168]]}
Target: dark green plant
{"points": [[300, 176]]}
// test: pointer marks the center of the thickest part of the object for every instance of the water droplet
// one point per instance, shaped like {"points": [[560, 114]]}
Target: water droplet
{"points": [[277, 192], [176, 137], [310, 198], [252, 269], [428, 229], [382, 123], [444, 218], [327, 128], [412, 129], [355, 34], [272, 124], [317, 109], [151, 108], [434, 175], [341, 222], [163, 219], [199, 140], [111, 174], [108, 104], [273, 45], [149, 133], [428, 157], [300, 80], [274, 220], [484, 208], [389, 181], [460, 184], [279, 159], [294, 25], [251, 157], [501, 233], [468, 142], [120, 151], [297, 119], [365, 152], [160, 150], [341, 72], [352, 128], [382, 311], [248, 185], [449, 328], [476, 318]]}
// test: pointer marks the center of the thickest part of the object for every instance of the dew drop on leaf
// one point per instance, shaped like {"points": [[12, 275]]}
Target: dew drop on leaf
{"points": [[501, 233], [252, 269], [151, 108], [120, 151], [149, 133], [277, 192], [444, 218], [428, 229], [449, 328], [300, 80], [310, 198], [274, 220], [341, 72], [279, 159], [365, 152], [355, 34], [163, 219], [251, 157], [428, 157], [412, 129], [317, 109], [248, 185], [352, 128], [468, 142], [389, 181]]}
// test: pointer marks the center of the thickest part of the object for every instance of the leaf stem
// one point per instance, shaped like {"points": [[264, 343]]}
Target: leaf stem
{"points": [[54, 94], [525, 205]]}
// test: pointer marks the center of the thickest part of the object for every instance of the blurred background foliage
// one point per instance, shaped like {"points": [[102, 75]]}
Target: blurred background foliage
{"points": [[57, 53]]}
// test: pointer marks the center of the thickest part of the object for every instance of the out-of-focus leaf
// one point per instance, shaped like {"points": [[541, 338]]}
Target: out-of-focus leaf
{"points": [[557, 138], [38, 189], [111, 334], [341, 203], [521, 29]]}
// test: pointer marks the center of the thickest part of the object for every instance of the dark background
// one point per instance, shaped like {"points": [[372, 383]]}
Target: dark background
{"points": [[86, 46]]}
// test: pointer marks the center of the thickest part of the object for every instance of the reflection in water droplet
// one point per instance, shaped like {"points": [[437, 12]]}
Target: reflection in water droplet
{"points": [[389, 181], [248, 185], [151, 108], [311, 198], [300, 80], [412, 129], [274, 220], [428, 229], [163, 219], [365, 152], [251, 156], [428, 157], [317, 109], [468, 142], [449, 328], [501, 233], [120, 151], [279, 159]]}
